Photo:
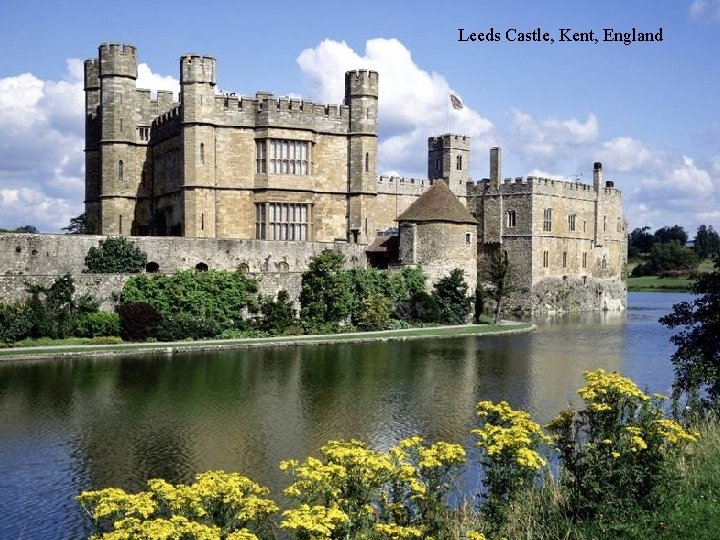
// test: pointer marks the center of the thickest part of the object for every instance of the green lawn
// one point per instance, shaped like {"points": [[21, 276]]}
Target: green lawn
{"points": [[654, 283]]}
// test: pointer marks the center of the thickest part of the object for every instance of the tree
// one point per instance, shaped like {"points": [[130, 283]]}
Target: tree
{"points": [[82, 224], [116, 255], [667, 256], [640, 240], [697, 358], [668, 234], [499, 277], [707, 242], [277, 316], [451, 295], [325, 296]]}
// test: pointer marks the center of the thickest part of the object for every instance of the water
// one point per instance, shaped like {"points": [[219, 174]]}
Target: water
{"points": [[74, 424]]}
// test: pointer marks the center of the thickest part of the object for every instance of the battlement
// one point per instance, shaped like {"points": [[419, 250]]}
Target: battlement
{"points": [[401, 185], [449, 140], [361, 82], [197, 68], [543, 185], [117, 60], [92, 74], [167, 124]]}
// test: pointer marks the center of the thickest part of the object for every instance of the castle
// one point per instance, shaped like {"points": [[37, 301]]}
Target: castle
{"points": [[282, 170]]}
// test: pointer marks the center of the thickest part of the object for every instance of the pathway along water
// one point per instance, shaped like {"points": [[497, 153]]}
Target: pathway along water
{"points": [[68, 425]]}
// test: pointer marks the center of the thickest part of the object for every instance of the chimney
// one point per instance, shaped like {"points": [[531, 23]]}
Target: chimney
{"points": [[597, 176], [496, 167]]}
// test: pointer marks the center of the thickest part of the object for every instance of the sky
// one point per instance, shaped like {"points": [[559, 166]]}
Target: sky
{"points": [[649, 111]]}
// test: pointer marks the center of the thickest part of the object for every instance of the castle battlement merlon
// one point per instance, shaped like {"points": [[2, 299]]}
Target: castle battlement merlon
{"points": [[401, 185], [198, 68], [117, 60]]}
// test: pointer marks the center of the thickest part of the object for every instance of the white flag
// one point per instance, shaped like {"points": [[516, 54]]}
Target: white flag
{"points": [[456, 103]]}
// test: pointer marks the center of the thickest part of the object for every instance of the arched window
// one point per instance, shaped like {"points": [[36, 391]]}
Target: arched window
{"points": [[458, 163], [547, 220], [202, 153], [121, 171]]}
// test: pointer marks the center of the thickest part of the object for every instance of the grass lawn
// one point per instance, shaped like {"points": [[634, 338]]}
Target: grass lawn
{"points": [[655, 283]]}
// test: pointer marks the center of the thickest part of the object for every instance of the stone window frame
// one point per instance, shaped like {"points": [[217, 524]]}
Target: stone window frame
{"points": [[468, 238], [143, 133], [546, 259], [547, 220], [283, 221], [510, 219], [290, 157], [571, 222]]}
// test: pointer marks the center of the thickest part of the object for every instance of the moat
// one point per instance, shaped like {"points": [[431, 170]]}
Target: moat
{"points": [[69, 425]]}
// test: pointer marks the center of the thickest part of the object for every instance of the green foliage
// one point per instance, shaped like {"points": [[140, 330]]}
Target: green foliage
{"points": [[25, 229], [181, 326], [138, 320], [707, 242], [674, 233], [326, 295], [276, 316], [614, 452], [697, 357], [216, 295], [451, 296], [82, 224], [640, 240], [218, 505], [667, 257], [373, 312], [116, 254], [499, 278], [51, 310], [93, 324], [15, 323]]}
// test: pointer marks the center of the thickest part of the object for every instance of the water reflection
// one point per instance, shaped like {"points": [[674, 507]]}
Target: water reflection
{"points": [[76, 424]]}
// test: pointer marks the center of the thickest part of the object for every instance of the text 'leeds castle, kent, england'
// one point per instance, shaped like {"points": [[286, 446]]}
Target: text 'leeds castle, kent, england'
{"points": [[279, 179]]}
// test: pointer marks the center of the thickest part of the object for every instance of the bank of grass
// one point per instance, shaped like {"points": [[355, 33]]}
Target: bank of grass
{"points": [[658, 284], [45, 347], [690, 509]]}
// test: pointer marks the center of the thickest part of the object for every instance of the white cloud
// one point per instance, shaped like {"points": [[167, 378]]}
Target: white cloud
{"points": [[626, 154], [547, 142], [42, 174], [413, 102], [705, 9]]}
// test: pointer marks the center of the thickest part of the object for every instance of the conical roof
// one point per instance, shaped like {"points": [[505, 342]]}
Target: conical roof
{"points": [[437, 204]]}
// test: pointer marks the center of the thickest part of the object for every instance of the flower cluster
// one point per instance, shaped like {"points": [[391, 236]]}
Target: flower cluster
{"points": [[218, 505]]}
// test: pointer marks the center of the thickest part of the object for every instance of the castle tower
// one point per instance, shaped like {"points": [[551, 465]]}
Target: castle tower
{"points": [[449, 159], [118, 164], [361, 95], [92, 144], [197, 96]]}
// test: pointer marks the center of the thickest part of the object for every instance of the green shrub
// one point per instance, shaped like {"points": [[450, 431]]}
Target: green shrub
{"points": [[276, 316], [15, 323], [451, 296], [115, 255], [326, 296], [180, 326], [374, 312], [101, 323], [105, 340], [138, 321]]}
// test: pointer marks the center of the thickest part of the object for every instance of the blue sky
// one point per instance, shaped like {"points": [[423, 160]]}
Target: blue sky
{"points": [[649, 111]]}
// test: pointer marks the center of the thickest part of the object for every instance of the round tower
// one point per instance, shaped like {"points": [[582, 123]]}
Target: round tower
{"points": [[118, 124], [197, 87], [361, 96], [92, 141]]}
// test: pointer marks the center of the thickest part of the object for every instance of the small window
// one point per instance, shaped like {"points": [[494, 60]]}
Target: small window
{"points": [[546, 259], [604, 223], [619, 225], [458, 163], [468, 238], [202, 154], [564, 259], [547, 220], [201, 267], [510, 218], [121, 171], [120, 223], [571, 222], [437, 165], [202, 222], [584, 259], [152, 267], [604, 262], [367, 162]]}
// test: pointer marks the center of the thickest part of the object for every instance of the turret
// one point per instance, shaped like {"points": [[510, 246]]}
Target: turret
{"points": [[196, 68], [449, 159], [118, 60], [361, 95], [197, 87]]}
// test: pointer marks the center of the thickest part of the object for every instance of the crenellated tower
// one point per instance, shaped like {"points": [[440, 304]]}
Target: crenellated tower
{"points": [[120, 170], [449, 159], [197, 96], [361, 95]]}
